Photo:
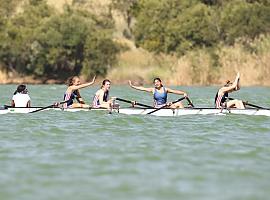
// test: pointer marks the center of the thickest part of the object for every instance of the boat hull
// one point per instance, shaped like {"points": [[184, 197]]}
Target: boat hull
{"points": [[195, 111], [161, 112]]}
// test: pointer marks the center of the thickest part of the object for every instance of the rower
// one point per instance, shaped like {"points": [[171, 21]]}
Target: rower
{"points": [[72, 92], [21, 97], [222, 100], [160, 94], [101, 98]]}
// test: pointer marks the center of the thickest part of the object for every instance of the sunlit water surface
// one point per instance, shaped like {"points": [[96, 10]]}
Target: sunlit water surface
{"points": [[95, 155]]}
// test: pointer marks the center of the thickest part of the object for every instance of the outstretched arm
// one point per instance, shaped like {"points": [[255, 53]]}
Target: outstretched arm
{"points": [[177, 92], [238, 83], [140, 88], [76, 87]]}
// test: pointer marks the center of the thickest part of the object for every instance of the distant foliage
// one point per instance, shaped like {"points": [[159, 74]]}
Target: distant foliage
{"points": [[44, 43], [240, 19], [173, 26], [38, 40], [8, 7]]}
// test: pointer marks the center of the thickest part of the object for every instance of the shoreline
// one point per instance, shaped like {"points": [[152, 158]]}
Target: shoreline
{"points": [[18, 81]]}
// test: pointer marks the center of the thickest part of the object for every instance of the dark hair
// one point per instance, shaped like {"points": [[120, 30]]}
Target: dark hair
{"points": [[70, 80], [157, 79], [228, 83], [21, 88], [105, 81]]}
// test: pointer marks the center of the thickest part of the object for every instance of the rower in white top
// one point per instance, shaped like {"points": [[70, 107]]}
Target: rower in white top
{"points": [[21, 97]]}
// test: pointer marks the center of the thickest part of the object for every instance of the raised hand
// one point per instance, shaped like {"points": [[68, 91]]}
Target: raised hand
{"points": [[94, 79], [130, 84], [238, 75], [238, 80]]}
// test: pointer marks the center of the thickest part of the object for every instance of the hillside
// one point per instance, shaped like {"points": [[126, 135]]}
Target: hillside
{"points": [[254, 69], [198, 66]]}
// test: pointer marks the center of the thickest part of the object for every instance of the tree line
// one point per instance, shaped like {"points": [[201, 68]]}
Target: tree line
{"points": [[47, 44], [173, 26], [43, 42]]}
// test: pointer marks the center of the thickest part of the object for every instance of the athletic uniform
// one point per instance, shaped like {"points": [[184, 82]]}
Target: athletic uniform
{"points": [[96, 103], [21, 99], [220, 100], [160, 99], [69, 97]]}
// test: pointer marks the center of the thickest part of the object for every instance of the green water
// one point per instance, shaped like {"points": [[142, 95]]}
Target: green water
{"points": [[94, 155]]}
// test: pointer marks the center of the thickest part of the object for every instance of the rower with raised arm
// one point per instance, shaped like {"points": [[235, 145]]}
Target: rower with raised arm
{"points": [[101, 98], [73, 91], [222, 100], [160, 94], [21, 97]]}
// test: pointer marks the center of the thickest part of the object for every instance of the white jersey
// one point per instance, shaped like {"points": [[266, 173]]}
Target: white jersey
{"points": [[20, 99]]}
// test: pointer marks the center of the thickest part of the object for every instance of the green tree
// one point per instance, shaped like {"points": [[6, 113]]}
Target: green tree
{"points": [[174, 26], [127, 7], [240, 19], [48, 44], [8, 8], [19, 36], [100, 54]]}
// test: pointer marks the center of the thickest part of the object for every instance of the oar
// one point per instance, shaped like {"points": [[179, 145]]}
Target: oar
{"points": [[7, 106], [4, 107], [166, 105], [50, 106], [139, 104], [190, 102], [252, 105]]}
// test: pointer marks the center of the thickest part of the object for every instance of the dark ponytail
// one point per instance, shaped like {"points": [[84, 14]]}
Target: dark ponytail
{"points": [[70, 80], [20, 89]]}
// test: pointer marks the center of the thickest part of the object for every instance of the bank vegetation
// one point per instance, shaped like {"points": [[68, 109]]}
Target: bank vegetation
{"points": [[189, 42]]}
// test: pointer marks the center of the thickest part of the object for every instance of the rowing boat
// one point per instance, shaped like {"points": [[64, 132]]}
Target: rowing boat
{"points": [[144, 111]]}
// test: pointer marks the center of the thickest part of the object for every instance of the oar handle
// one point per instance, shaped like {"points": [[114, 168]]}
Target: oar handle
{"points": [[178, 100], [131, 102], [166, 105], [189, 102], [124, 100]]}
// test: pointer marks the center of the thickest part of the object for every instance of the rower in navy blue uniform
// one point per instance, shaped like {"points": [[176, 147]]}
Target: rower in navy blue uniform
{"points": [[72, 92], [160, 94], [221, 99], [101, 98]]}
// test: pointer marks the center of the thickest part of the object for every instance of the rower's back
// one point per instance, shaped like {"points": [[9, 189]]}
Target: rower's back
{"points": [[21, 97]]}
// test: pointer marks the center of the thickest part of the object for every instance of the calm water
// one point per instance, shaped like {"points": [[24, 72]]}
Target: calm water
{"points": [[94, 155]]}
